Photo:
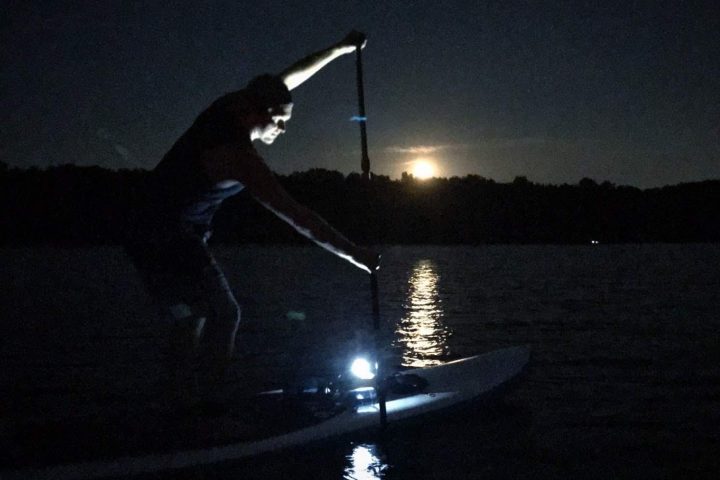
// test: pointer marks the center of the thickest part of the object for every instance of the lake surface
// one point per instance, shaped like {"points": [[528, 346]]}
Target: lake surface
{"points": [[624, 381]]}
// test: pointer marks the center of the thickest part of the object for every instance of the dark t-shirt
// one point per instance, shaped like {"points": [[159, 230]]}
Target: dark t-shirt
{"points": [[178, 197], [173, 209]]}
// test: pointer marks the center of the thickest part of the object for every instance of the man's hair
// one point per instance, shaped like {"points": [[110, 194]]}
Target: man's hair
{"points": [[267, 91]]}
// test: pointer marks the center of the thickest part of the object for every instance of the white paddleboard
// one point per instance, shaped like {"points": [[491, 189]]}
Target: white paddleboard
{"points": [[449, 385]]}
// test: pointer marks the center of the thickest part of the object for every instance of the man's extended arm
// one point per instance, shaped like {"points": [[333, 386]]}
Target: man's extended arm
{"points": [[303, 69], [250, 169]]}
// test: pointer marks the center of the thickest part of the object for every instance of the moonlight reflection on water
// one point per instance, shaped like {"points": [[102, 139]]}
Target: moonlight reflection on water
{"points": [[421, 334]]}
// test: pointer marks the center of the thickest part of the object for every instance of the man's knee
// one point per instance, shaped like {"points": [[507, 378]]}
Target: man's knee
{"points": [[229, 313], [186, 326], [226, 309]]}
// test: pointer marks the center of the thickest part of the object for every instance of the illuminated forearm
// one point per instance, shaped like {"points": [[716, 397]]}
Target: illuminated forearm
{"points": [[302, 70], [311, 225]]}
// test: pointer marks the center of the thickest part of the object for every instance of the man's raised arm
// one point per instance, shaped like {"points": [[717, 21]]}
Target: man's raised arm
{"points": [[303, 69]]}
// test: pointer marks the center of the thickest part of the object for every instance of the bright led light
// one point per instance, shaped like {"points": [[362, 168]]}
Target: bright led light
{"points": [[361, 369]]}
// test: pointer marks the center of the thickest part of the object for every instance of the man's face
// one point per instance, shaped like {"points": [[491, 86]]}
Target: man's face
{"points": [[273, 124]]}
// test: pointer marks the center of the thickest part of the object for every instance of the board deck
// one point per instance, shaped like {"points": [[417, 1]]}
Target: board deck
{"points": [[449, 385]]}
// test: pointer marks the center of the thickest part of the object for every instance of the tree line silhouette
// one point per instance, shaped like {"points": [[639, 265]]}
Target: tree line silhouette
{"points": [[75, 206]]}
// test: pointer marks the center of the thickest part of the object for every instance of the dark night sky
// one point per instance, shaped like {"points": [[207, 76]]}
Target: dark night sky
{"points": [[613, 90]]}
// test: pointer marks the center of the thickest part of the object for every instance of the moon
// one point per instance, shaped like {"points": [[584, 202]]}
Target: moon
{"points": [[423, 169]]}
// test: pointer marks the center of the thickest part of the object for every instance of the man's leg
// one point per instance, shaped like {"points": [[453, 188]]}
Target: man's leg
{"points": [[186, 329], [223, 318], [176, 295], [196, 301]]}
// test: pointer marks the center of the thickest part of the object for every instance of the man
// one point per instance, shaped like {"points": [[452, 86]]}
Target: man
{"points": [[210, 162]]}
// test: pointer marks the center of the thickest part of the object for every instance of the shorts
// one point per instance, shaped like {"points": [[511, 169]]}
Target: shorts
{"points": [[180, 269]]}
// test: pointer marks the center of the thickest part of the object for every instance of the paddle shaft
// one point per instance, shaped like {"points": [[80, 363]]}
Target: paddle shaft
{"points": [[365, 166], [375, 302], [365, 161], [379, 372]]}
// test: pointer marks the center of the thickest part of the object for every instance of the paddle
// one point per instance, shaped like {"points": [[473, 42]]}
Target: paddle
{"points": [[379, 372], [361, 118], [365, 166]]}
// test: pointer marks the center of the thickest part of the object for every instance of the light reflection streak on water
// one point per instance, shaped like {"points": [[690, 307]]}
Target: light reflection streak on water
{"points": [[364, 464], [421, 333]]}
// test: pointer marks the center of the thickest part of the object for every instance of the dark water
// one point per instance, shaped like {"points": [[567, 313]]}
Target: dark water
{"points": [[624, 381]]}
